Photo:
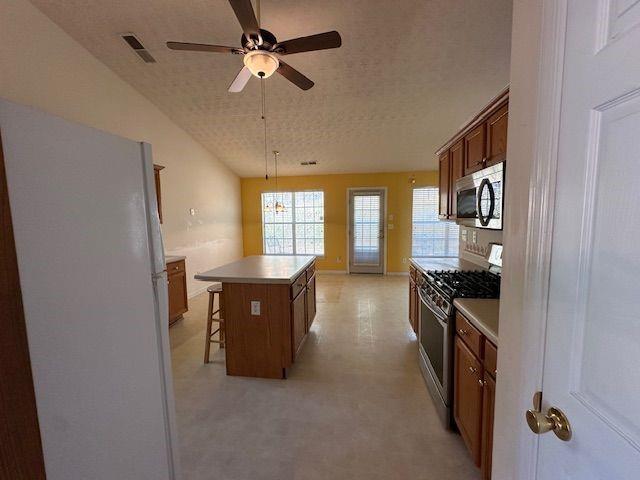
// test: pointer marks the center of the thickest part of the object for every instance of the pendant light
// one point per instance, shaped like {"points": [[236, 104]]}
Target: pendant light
{"points": [[267, 207], [279, 207]]}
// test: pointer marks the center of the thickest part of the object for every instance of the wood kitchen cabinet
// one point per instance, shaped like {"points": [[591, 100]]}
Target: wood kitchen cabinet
{"points": [[156, 176], [474, 149], [474, 392], [456, 156], [299, 320], [177, 289], [497, 136], [311, 300], [444, 183], [482, 142], [414, 301], [467, 404]]}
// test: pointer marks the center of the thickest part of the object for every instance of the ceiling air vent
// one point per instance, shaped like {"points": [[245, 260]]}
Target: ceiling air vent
{"points": [[137, 47], [312, 162]]}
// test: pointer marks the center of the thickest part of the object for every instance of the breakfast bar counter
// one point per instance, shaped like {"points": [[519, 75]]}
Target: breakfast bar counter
{"points": [[268, 304]]}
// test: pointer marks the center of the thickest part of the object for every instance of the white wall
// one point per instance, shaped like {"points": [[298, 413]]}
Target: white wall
{"points": [[41, 65]]}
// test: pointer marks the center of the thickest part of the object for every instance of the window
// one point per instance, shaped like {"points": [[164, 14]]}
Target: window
{"points": [[430, 236], [299, 230]]}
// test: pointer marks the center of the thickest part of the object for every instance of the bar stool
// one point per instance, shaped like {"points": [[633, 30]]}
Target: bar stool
{"points": [[215, 289]]}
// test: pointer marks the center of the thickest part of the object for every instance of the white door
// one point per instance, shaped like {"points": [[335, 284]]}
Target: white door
{"points": [[366, 231], [592, 357]]}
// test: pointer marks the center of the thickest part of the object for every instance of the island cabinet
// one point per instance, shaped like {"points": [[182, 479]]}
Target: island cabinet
{"points": [[474, 391], [177, 290], [268, 306], [480, 143]]}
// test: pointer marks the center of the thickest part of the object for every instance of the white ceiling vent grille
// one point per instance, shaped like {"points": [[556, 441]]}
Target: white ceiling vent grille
{"points": [[137, 47]]}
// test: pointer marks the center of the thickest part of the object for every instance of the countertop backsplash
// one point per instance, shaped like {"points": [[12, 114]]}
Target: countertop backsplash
{"points": [[478, 250]]}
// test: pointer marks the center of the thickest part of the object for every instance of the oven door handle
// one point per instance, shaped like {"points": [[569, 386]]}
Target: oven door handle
{"points": [[439, 315]]}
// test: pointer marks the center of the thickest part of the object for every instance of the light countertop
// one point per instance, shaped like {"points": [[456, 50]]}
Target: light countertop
{"points": [[173, 258], [260, 269], [444, 263], [483, 313]]}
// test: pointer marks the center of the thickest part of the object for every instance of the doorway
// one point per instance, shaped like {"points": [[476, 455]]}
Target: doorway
{"points": [[367, 242]]}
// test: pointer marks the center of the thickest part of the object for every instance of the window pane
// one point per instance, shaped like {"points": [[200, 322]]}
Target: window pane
{"points": [[430, 236], [297, 230]]}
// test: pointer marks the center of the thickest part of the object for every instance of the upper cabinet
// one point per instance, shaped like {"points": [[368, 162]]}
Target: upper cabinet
{"points": [[497, 136], [474, 149], [482, 142], [445, 182], [156, 174]]}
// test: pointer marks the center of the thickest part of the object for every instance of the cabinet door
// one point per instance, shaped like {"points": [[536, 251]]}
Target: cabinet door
{"points": [[299, 321], [488, 405], [445, 172], [467, 403], [457, 171], [311, 301], [474, 150], [177, 295], [497, 136], [412, 304]]}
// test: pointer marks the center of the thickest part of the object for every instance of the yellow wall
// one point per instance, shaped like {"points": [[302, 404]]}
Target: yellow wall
{"points": [[399, 194]]}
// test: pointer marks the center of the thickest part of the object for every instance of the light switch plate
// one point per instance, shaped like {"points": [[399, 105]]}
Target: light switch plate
{"points": [[390, 226], [255, 308]]}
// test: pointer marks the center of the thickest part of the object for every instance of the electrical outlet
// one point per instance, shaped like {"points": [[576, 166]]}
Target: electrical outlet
{"points": [[390, 226], [464, 234], [339, 259], [391, 217], [404, 259], [192, 212], [255, 308], [474, 237]]}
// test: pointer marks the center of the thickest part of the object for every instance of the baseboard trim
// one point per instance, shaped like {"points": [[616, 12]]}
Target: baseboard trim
{"points": [[197, 292], [403, 274], [332, 272]]}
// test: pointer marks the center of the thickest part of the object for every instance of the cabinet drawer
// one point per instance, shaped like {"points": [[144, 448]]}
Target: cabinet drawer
{"points": [[469, 334], [490, 358], [310, 271], [298, 284], [175, 267]]}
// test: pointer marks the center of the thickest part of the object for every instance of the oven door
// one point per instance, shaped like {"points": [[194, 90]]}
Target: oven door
{"points": [[435, 349]]}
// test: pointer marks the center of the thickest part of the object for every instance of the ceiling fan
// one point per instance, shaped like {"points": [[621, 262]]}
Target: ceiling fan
{"points": [[262, 50]]}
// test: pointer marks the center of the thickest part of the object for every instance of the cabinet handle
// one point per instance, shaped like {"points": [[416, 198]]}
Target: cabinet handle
{"points": [[473, 369], [481, 382], [463, 332]]}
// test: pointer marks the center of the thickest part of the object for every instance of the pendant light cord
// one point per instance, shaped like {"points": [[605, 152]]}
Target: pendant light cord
{"points": [[264, 122]]}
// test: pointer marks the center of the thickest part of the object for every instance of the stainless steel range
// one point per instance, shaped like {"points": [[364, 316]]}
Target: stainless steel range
{"points": [[437, 290]]}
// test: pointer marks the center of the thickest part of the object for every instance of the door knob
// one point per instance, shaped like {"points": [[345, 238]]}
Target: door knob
{"points": [[554, 420]]}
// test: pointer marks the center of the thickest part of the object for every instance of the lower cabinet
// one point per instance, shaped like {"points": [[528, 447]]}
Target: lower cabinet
{"points": [[488, 406], [311, 301], [414, 300], [177, 290], [298, 320], [467, 406], [474, 392], [303, 308]]}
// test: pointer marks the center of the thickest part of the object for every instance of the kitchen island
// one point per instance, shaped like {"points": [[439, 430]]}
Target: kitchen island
{"points": [[268, 304]]}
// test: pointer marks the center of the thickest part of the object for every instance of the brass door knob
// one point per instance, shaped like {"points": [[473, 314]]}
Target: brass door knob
{"points": [[554, 420]]}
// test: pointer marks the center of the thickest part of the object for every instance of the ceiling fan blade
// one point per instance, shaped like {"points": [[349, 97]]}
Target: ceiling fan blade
{"points": [[321, 41], [202, 47], [240, 81], [294, 76], [247, 18]]}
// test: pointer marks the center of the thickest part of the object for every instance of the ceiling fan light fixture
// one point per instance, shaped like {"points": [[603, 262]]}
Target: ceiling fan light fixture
{"points": [[261, 64]]}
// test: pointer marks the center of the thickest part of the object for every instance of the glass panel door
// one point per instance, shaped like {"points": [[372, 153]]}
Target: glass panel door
{"points": [[366, 231]]}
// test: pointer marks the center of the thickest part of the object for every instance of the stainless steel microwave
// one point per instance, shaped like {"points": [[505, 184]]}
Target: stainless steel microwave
{"points": [[480, 198]]}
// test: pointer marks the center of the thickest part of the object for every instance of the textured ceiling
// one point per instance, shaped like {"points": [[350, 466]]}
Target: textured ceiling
{"points": [[408, 74]]}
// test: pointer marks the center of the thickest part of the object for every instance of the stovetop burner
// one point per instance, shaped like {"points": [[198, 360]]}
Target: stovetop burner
{"points": [[466, 284]]}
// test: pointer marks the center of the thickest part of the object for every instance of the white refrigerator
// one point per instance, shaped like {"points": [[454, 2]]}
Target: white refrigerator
{"points": [[94, 287]]}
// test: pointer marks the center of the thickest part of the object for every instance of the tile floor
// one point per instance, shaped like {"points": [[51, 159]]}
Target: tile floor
{"points": [[354, 406]]}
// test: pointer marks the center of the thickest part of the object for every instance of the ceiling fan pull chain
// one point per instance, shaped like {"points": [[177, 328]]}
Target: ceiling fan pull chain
{"points": [[264, 121]]}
